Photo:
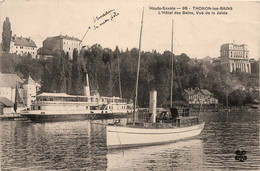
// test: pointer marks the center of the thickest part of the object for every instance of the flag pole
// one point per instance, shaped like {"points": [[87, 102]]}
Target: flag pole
{"points": [[171, 67]]}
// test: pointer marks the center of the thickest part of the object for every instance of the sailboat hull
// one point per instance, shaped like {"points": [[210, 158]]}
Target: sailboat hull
{"points": [[124, 137]]}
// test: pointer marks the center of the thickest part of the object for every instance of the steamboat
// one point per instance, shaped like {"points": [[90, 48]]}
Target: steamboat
{"points": [[50, 107]]}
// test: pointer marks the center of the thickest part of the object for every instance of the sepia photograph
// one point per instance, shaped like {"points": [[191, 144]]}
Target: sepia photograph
{"points": [[129, 85]]}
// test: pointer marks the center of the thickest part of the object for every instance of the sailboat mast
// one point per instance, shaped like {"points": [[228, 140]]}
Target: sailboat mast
{"points": [[172, 67], [138, 67], [119, 77]]}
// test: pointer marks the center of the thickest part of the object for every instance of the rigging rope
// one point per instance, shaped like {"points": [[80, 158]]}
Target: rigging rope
{"points": [[97, 133]]}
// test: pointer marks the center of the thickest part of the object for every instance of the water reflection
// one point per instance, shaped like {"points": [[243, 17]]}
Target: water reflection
{"points": [[184, 155], [226, 133], [68, 145], [81, 145]]}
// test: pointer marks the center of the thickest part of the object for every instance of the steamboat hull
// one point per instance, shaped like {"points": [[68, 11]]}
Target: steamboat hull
{"points": [[126, 137], [73, 117]]}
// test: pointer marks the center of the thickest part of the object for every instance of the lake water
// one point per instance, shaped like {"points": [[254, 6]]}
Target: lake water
{"points": [[80, 145]]}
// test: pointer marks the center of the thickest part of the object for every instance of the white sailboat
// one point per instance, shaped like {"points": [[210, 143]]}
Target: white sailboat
{"points": [[181, 126]]}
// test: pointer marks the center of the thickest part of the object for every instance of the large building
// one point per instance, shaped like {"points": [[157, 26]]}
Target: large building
{"points": [[64, 43], [235, 57], [23, 46]]}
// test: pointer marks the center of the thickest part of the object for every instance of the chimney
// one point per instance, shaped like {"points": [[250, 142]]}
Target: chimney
{"points": [[152, 105], [86, 86]]}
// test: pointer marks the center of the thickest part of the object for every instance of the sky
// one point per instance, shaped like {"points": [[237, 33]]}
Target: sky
{"points": [[119, 24]]}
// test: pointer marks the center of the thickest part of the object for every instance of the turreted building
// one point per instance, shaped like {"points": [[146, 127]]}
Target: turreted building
{"points": [[29, 91], [235, 57]]}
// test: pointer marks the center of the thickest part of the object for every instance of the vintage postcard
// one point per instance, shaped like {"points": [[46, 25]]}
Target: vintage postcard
{"points": [[129, 85]]}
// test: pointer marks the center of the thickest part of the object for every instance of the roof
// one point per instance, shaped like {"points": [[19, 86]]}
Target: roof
{"points": [[55, 95], [29, 81], [67, 95], [205, 92], [64, 37], [6, 102], [21, 41], [58, 95], [9, 80]]}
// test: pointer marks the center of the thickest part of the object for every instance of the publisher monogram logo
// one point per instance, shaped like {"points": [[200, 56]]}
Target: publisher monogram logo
{"points": [[241, 156]]}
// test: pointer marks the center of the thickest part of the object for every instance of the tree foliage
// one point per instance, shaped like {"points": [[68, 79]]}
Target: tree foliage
{"points": [[6, 35], [60, 74]]}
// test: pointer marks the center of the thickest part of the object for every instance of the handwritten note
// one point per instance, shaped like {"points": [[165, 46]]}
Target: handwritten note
{"points": [[104, 18]]}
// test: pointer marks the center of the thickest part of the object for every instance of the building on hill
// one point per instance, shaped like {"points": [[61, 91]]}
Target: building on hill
{"points": [[235, 57], [23, 46], [61, 43], [199, 97]]}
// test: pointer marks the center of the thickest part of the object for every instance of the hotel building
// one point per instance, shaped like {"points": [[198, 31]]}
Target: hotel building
{"points": [[235, 57]]}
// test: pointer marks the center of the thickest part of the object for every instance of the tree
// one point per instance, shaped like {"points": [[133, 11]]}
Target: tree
{"points": [[108, 60], [6, 35], [94, 64], [76, 75], [46, 79], [237, 98], [117, 56], [57, 74], [255, 67], [8, 62]]}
